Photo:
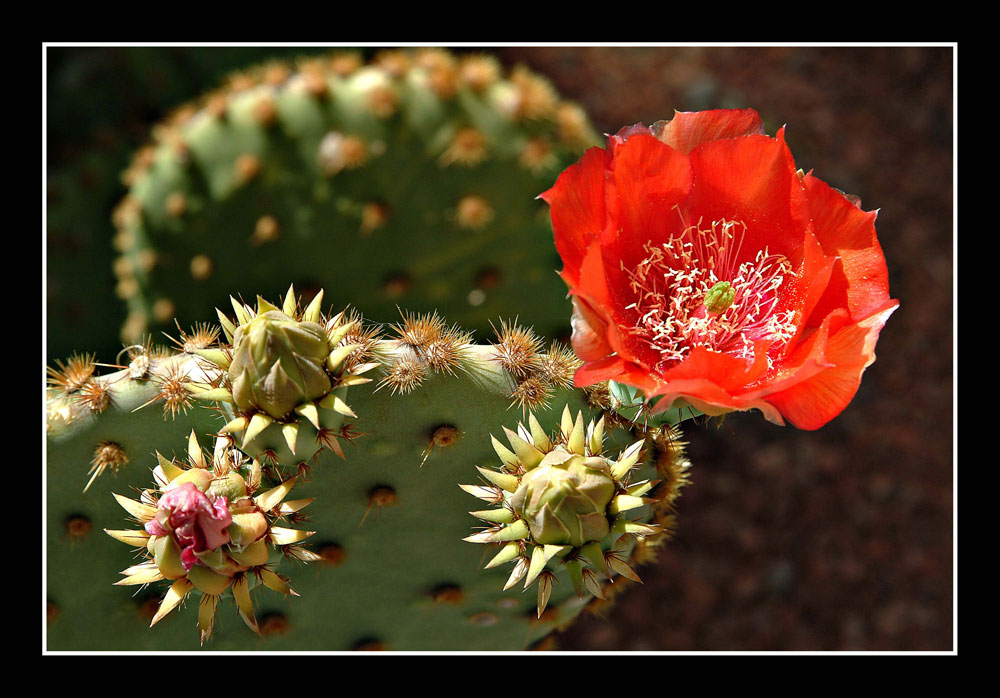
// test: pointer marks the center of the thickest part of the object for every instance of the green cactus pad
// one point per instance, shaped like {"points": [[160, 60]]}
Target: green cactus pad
{"points": [[393, 571]]}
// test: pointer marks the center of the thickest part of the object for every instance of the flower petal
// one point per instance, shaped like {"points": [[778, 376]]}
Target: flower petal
{"points": [[608, 299], [812, 403], [589, 331], [617, 369], [712, 381], [577, 208], [751, 180], [687, 130], [802, 292], [860, 280], [651, 180]]}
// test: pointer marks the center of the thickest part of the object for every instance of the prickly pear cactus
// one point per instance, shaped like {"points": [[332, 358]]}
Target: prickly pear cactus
{"points": [[380, 563], [410, 180]]}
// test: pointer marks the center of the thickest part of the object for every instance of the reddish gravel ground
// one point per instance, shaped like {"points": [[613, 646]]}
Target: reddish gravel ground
{"points": [[842, 538]]}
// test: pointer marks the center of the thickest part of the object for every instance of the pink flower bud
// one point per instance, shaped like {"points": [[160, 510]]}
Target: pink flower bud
{"points": [[196, 521]]}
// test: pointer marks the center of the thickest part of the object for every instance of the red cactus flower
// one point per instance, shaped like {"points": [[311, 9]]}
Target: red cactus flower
{"points": [[197, 521], [704, 267]]}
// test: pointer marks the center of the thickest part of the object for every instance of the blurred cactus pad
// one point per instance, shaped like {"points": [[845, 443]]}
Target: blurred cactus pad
{"points": [[389, 178]]}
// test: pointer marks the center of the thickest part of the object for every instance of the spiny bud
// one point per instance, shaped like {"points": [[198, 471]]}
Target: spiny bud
{"points": [[203, 531], [565, 503], [559, 502], [278, 363]]}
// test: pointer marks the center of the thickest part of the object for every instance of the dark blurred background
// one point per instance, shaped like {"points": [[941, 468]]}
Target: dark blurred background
{"points": [[839, 539]]}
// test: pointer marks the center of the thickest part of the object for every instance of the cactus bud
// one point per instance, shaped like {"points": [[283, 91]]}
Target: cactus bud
{"points": [[565, 503], [199, 477], [195, 521], [278, 363], [205, 533], [247, 528], [232, 486], [287, 368], [559, 501]]}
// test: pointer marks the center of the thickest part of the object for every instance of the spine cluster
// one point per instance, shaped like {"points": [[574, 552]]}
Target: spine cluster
{"points": [[203, 528]]}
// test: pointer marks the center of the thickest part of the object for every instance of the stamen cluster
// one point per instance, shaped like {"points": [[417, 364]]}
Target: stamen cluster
{"points": [[682, 300]]}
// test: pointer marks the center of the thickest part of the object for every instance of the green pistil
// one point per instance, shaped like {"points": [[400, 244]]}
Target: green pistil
{"points": [[719, 298]]}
